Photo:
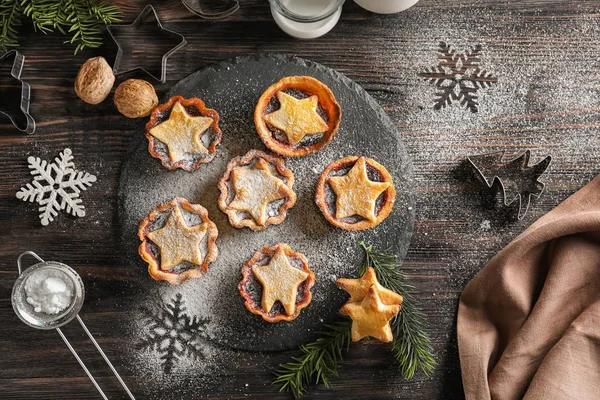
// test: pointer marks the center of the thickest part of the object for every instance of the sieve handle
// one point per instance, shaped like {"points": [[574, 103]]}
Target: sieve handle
{"points": [[87, 371], [123, 385], [27, 253]]}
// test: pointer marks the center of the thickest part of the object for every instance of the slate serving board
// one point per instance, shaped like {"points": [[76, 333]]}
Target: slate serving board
{"points": [[232, 88]]}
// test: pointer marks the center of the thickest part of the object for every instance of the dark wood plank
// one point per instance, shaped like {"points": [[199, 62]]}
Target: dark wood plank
{"points": [[542, 51]]}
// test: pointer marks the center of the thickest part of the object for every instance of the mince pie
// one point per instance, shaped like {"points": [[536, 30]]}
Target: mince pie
{"points": [[276, 283], [256, 190], [183, 133], [297, 116], [355, 193], [178, 241]]}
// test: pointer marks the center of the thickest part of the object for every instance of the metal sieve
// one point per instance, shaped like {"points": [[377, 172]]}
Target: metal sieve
{"points": [[40, 320]]}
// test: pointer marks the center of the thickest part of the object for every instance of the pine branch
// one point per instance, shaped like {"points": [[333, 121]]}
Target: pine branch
{"points": [[319, 360], [38, 11], [411, 345], [103, 11], [83, 25], [79, 18], [10, 13]]}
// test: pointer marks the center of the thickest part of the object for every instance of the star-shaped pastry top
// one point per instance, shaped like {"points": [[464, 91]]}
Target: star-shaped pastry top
{"points": [[280, 282], [356, 193], [359, 288], [178, 242], [370, 317], [255, 187], [182, 132], [297, 117]]}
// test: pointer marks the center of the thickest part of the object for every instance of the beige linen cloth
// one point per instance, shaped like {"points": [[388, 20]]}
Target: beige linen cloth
{"points": [[529, 322]]}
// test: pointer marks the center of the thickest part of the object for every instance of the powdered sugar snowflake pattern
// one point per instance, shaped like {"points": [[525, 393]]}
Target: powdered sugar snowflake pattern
{"points": [[173, 334], [56, 186], [459, 77]]}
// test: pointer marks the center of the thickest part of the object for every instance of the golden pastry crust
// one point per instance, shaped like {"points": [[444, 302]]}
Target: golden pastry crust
{"points": [[370, 317], [147, 247], [194, 107], [308, 86], [274, 172], [363, 192], [263, 257], [359, 288]]}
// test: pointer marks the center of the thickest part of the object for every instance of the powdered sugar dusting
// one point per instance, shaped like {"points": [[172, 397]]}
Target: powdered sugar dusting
{"points": [[329, 250], [544, 101]]}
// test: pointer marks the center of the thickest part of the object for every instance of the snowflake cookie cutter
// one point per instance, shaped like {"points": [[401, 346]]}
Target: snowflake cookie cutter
{"points": [[19, 115], [196, 8], [62, 182], [515, 174], [124, 37], [459, 77], [41, 320]]}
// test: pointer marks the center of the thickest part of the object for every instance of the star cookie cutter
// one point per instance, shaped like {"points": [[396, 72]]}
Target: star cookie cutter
{"points": [[196, 8], [18, 115], [512, 175], [125, 44]]}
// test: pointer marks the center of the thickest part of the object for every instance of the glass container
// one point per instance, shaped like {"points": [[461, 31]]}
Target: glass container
{"points": [[306, 19]]}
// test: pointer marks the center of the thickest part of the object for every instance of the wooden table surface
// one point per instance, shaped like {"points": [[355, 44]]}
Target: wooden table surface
{"points": [[545, 56]]}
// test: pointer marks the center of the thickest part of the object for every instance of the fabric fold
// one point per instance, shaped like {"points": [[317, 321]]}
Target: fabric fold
{"points": [[529, 321]]}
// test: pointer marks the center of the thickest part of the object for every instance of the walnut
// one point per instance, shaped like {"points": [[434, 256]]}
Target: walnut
{"points": [[94, 80], [135, 98]]}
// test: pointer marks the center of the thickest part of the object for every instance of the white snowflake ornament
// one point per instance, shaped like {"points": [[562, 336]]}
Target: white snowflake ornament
{"points": [[56, 186]]}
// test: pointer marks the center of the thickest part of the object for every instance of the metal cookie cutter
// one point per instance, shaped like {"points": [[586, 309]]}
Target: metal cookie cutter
{"points": [[40, 320], [195, 7], [14, 102], [123, 36], [515, 178]]}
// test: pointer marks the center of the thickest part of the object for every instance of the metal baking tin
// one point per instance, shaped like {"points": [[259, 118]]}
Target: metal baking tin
{"points": [[18, 60], [139, 21], [494, 159]]}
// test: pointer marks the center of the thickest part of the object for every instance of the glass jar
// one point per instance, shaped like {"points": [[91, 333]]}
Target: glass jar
{"points": [[386, 6], [306, 19]]}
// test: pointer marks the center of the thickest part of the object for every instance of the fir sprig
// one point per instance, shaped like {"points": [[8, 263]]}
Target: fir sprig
{"points": [[42, 21], [10, 18], [411, 345], [79, 18], [320, 359]]}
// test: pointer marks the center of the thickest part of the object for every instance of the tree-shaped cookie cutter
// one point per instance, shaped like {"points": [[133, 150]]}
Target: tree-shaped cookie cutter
{"points": [[20, 117], [195, 7], [515, 174], [40, 320], [125, 48]]}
